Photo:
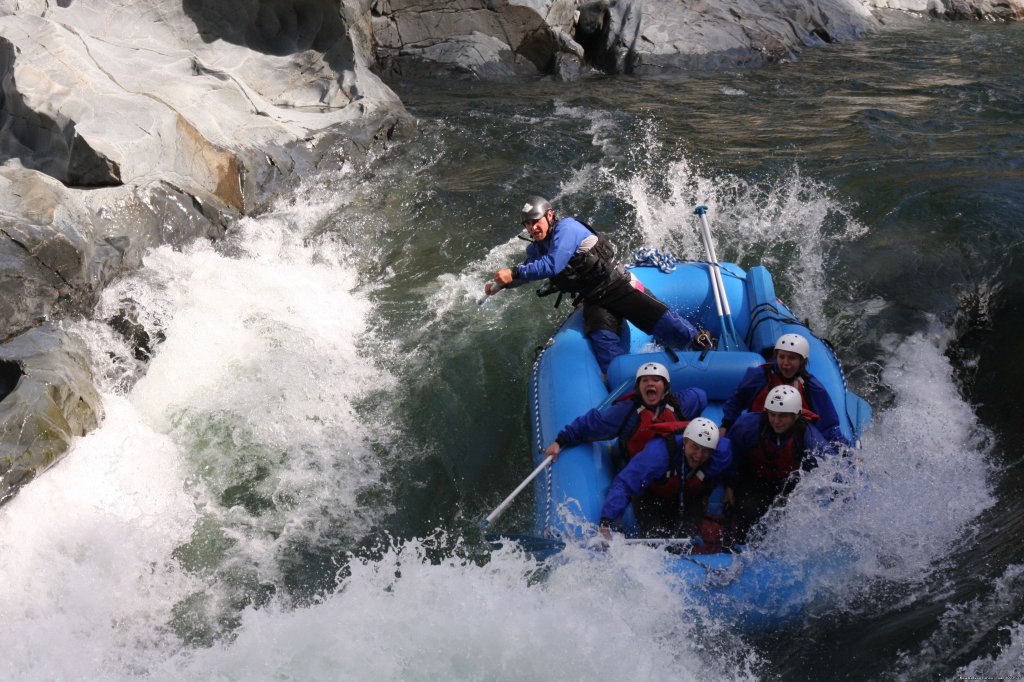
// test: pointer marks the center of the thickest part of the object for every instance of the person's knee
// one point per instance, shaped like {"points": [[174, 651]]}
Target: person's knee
{"points": [[675, 330]]}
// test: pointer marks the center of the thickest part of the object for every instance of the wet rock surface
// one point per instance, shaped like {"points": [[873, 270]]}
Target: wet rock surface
{"points": [[49, 401]]}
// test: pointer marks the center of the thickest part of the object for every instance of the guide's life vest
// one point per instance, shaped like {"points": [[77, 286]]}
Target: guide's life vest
{"points": [[586, 272]]}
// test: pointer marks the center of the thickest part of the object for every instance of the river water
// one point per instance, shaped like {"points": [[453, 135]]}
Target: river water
{"points": [[288, 489]]}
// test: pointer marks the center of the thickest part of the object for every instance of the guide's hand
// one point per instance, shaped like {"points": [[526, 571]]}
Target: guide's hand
{"points": [[491, 288], [552, 451], [703, 340]]}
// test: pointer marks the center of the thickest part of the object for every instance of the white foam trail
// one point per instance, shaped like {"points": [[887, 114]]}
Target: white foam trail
{"points": [[86, 555], [464, 289], [405, 617], [786, 225], [1008, 664], [259, 374], [604, 127], [239, 443]]}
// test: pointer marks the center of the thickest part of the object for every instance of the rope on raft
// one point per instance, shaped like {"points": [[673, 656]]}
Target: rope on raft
{"points": [[663, 260]]}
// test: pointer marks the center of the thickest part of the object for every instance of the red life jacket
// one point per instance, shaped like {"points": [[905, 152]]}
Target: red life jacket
{"points": [[773, 379], [775, 457], [648, 424]]}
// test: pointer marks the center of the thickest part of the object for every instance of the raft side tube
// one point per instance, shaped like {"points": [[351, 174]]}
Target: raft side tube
{"points": [[859, 412], [765, 328], [567, 382]]}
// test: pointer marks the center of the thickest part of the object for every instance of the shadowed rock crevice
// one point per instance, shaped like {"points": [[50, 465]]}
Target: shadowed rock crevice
{"points": [[306, 29], [592, 35], [44, 144], [10, 374], [478, 39]]}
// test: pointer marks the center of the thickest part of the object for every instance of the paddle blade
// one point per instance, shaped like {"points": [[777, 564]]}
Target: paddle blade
{"points": [[540, 548]]}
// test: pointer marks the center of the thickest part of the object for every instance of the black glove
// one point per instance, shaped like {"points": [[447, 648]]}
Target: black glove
{"points": [[703, 340]]}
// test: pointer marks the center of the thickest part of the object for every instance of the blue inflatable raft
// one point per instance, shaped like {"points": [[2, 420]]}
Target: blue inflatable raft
{"points": [[752, 589]]}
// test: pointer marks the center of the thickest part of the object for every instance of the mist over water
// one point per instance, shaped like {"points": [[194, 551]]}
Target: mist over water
{"points": [[288, 488]]}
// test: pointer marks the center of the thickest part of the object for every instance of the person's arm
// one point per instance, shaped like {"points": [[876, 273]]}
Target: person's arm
{"points": [[741, 399], [552, 260], [692, 401], [722, 467], [506, 277], [592, 425], [742, 438], [817, 447], [596, 424], [648, 464]]}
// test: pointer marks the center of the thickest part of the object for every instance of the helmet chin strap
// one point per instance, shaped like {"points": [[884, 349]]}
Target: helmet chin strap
{"points": [[549, 216]]}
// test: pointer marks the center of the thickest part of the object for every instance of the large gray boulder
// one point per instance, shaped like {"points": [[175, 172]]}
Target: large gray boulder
{"points": [[988, 10], [654, 36], [213, 98], [46, 400], [477, 39], [488, 39], [176, 119], [59, 247], [504, 39]]}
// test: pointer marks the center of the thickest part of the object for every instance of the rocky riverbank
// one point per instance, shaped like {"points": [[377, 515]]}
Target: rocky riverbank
{"points": [[128, 125]]}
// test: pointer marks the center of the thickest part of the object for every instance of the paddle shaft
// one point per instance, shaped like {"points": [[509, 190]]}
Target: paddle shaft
{"points": [[717, 284], [720, 298], [500, 509]]}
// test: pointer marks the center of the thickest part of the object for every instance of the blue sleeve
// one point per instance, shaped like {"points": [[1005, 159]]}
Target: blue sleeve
{"points": [[722, 467], [741, 399], [744, 434], [817, 445], [596, 424], [828, 418], [649, 464], [547, 259], [692, 401]]}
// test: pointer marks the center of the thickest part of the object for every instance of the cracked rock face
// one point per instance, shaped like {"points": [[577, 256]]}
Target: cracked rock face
{"points": [[207, 96], [985, 10], [59, 247], [654, 36], [476, 39]]}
